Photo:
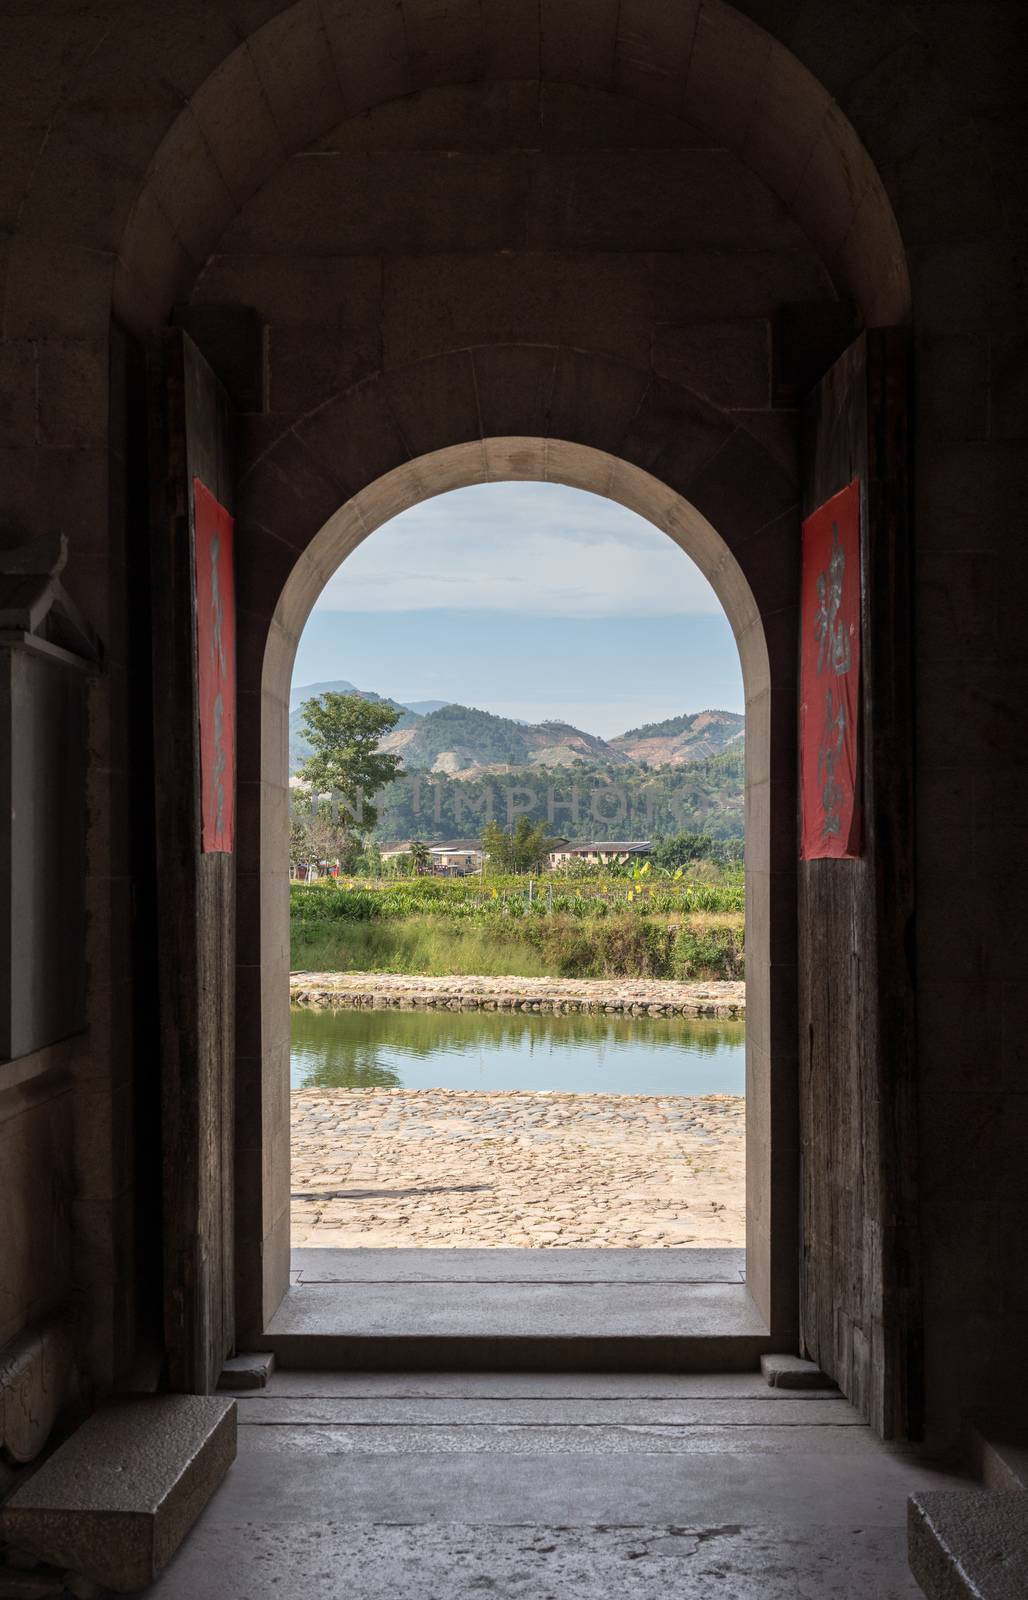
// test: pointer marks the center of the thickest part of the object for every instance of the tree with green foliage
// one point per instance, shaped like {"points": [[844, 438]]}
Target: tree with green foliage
{"points": [[315, 833], [345, 763], [523, 849], [683, 849], [420, 856]]}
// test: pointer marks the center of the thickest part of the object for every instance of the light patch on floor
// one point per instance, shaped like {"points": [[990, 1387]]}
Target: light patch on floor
{"points": [[388, 1168]]}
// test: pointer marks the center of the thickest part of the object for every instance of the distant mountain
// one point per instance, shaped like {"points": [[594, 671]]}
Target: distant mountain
{"points": [[682, 740], [424, 708], [464, 742], [307, 691]]}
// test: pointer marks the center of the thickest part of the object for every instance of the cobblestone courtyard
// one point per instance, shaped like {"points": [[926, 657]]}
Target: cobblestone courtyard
{"points": [[389, 1168]]}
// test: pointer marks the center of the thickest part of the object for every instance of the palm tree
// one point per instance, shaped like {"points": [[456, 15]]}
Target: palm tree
{"points": [[421, 857]]}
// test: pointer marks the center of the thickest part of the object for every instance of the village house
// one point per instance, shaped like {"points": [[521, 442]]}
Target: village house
{"points": [[393, 852], [606, 852], [457, 860]]}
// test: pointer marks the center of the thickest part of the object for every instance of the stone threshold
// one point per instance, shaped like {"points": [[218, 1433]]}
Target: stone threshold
{"points": [[563, 996], [518, 1327], [525, 1310]]}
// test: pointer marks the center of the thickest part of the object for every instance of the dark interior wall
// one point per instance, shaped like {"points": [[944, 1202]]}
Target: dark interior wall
{"points": [[970, 481]]}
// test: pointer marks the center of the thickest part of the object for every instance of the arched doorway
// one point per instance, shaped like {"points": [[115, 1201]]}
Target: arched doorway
{"points": [[651, 247], [771, 1090]]}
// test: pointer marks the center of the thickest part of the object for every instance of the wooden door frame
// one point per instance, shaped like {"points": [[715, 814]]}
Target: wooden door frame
{"points": [[190, 436]]}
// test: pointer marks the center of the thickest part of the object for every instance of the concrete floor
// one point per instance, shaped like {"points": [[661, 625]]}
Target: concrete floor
{"points": [[524, 1486]]}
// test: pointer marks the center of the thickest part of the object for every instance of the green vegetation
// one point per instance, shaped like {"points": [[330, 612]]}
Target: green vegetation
{"points": [[300, 746], [545, 947], [670, 727], [486, 737], [429, 946], [523, 848], [679, 914], [643, 926], [513, 897], [331, 816], [582, 800], [683, 850], [344, 731]]}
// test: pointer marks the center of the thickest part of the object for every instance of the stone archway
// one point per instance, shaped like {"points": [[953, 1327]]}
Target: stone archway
{"points": [[751, 565], [311, 66], [135, 135], [222, 119], [240, 166]]}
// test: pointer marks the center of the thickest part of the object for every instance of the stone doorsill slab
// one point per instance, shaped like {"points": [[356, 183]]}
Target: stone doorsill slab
{"points": [[322, 1266], [537, 1325]]}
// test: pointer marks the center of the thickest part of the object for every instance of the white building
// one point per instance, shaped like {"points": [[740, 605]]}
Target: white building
{"points": [[603, 852]]}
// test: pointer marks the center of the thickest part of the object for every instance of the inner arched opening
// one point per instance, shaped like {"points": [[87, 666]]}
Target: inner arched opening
{"points": [[770, 1179], [516, 760]]}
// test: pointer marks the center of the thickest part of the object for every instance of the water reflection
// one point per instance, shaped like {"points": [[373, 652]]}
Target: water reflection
{"points": [[504, 1050]]}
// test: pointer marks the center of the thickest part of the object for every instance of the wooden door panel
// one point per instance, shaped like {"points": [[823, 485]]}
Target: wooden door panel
{"points": [[860, 1303]]}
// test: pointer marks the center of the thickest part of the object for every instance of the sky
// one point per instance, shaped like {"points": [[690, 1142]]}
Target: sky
{"points": [[530, 600]]}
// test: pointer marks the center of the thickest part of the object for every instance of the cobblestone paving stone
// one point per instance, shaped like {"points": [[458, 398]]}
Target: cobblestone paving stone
{"points": [[638, 996], [401, 1167]]}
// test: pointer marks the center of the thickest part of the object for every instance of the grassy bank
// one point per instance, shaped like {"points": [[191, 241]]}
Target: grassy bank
{"points": [[440, 928], [428, 946]]}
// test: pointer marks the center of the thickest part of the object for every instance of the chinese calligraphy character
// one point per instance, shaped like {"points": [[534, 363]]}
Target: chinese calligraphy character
{"points": [[832, 741], [830, 689], [829, 632], [219, 667], [833, 644]]}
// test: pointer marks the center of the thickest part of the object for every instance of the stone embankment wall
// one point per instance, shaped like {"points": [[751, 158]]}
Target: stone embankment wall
{"points": [[627, 996]]}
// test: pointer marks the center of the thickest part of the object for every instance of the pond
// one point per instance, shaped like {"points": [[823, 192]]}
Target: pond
{"points": [[579, 1054]]}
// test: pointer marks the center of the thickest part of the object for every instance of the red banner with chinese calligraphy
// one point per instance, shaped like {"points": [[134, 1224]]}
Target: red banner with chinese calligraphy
{"points": [[830, 680], [215, 667]]}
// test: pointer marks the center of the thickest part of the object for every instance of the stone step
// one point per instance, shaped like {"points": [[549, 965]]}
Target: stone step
{"points": [[115, 1501], [521, 1326], [969, 1544], [250, 1371], [792, 1372]]}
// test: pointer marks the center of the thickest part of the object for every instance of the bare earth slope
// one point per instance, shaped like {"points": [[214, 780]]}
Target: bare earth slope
{"points": [[681, 740]]}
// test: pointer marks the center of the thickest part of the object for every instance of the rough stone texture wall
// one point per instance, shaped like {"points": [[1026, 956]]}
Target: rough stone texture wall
{"points": [[130, 139]]}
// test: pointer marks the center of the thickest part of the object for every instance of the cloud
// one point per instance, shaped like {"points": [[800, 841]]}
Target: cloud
{"points": [[533, 548]]}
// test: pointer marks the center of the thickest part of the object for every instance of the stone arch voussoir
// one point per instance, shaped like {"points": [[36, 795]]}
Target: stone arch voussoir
{"points": [[311, 66]]}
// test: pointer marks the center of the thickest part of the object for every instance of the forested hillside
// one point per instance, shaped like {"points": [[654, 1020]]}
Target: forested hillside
{"points": [[462, 766], [463, 741], [584, 801]]}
